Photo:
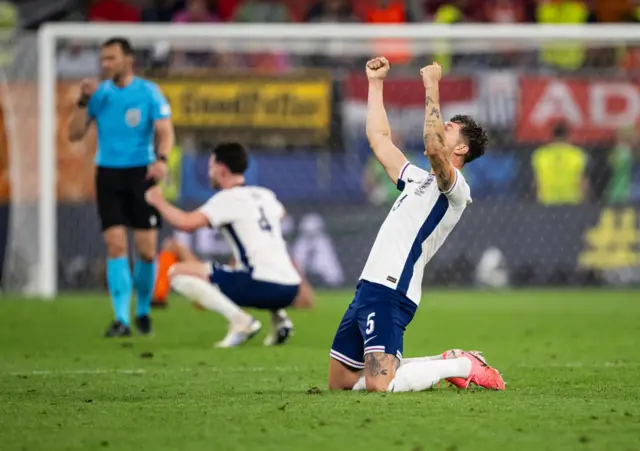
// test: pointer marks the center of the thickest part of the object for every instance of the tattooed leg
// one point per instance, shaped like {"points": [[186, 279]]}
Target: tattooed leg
{"points": [[379, 370]]}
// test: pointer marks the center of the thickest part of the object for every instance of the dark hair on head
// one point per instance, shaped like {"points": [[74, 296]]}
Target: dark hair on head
{"points": [[121, 42], [560, 130], [233, 155], [475, 136]]}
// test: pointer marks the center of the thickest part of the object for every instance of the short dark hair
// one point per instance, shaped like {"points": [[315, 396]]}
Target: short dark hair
{"points": [[233, 155], [475, 136], [121, 42]]}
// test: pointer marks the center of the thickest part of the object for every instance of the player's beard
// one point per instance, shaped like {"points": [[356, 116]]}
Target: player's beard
{"points": [[117, 77]]}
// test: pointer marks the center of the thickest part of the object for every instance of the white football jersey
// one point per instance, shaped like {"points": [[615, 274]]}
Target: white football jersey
{"points": [[249, 217], [419, 221]]}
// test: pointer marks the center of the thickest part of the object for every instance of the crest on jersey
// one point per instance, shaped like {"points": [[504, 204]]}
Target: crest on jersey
{"points": [[132, 117], [423, 187]]}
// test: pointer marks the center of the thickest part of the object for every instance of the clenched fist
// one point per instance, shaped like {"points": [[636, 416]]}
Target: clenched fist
{"points": [[87, 87], [431, 74], [377, 68]]}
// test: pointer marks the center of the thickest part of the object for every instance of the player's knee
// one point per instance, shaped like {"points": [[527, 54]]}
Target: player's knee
{"points": [[379, 371], [304, 302], [333, 385], [116, 245], [306, 297], [339, 383], [174, 271], [376, 384], [341, 377]]}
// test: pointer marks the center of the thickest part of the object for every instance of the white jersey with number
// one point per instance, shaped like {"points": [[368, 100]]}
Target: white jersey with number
{"points": [[249, 217], [419, 221]]}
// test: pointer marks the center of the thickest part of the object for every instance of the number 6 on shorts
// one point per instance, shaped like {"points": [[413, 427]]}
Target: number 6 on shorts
{"points": [[370, 323]]}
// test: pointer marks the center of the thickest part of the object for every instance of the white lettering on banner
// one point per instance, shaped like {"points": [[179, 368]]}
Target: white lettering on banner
{"points": [[602, 95], [557, 102]]}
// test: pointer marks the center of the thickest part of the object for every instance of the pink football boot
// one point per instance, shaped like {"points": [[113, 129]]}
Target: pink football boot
{"points": [[481, 373]]}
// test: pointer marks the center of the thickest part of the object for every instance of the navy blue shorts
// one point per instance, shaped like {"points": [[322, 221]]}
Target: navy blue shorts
{"points": [[245, 291], [374, 322]]}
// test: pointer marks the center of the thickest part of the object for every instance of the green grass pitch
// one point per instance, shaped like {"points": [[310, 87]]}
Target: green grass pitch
{"points": [[571, 360]]}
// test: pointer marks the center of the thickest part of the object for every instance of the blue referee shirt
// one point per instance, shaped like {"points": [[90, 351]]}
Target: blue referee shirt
{"points": [[125, 120]]}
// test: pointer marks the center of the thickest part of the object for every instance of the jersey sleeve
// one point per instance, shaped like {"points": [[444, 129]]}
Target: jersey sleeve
{"points": [[160, 108], [219, 209], [410, 174], [93, 107], [459, 194]]}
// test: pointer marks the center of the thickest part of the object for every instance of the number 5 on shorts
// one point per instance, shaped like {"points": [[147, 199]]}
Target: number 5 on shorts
{"points": [[370, 323]]}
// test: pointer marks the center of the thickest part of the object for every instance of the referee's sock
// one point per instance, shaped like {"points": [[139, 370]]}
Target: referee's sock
{"points": [[120, 287], [144, 279]]}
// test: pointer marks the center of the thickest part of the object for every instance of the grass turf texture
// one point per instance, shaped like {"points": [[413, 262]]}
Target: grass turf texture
{"points": [[570, 358]]}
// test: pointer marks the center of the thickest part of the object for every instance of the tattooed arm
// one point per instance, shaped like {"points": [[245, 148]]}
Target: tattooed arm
{"points": [[433, 131], [378, 130]]}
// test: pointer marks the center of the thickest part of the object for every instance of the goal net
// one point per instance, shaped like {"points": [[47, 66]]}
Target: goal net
{"points": [[555, 198]]}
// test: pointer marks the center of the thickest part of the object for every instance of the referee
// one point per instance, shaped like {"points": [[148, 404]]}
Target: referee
{"points": [[129, 114]]}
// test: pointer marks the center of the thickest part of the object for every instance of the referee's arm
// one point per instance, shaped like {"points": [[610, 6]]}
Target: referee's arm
{"points": [[165, 136], [82, 118]]}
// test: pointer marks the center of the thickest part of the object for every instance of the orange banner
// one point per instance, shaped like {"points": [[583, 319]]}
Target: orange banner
{"points": [[19, 141]]}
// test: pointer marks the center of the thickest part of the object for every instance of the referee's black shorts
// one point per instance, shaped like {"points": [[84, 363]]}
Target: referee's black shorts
{"points": [[120, 195]]}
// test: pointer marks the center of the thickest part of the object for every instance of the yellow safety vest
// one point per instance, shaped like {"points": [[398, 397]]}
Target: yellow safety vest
{"points": [[566, 55], [558, 169], [446, 14], [171, 184], [8, 26]]}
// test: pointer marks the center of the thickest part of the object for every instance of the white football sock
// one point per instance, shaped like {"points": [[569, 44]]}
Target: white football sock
{"points": [[404, 360], [360, 385], [422, 373], [210, 297]]}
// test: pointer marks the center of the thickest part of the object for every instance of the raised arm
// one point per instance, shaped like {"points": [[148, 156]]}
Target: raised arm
{"points": [[433, 131], [82, 118], [378, 130]]}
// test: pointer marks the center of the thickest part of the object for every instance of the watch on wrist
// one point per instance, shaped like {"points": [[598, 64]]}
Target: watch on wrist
{"points": [[162, 158]]}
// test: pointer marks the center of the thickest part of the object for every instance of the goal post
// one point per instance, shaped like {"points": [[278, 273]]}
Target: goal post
{"points": [[358, 40]]}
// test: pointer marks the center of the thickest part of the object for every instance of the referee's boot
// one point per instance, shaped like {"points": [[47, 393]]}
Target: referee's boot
{"points": [[117, 329], [143, 324]]}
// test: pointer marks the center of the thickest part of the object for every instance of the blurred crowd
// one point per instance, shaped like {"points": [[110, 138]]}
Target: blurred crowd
{"points": [[369, 11], [516, 167], [34, 12]]}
